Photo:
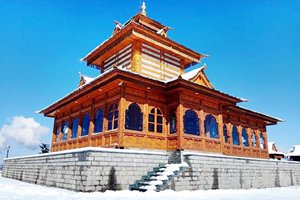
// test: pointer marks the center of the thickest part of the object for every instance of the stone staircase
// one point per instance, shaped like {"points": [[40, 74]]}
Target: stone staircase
{"points": [[158, 179]]}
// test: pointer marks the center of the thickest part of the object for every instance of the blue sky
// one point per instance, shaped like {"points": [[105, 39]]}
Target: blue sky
{"points": [[254, 49]]}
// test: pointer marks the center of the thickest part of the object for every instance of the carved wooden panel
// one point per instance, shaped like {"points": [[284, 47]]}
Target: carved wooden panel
{"points": [[213, 146], [172, 142], [193, 143]]}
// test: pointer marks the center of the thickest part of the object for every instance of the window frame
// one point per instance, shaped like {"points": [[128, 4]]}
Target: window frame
{"points": [[65, 130], [234, 127], [155, 123], [112, 121], [196, 119], [96, 121], [209, 122], [72, 130], [132, 123], [58, 132], [88, 125], [173, 120], [226, 136], [245, 133]]}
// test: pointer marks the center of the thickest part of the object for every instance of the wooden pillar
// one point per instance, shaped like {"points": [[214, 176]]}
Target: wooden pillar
{"points": [[145, 114], [69, 132], [92, 125], [136, 57], [53, 135], [265, 140], [201, 123], [121, 119], [220, 129], [79, 129], [179, 124]]}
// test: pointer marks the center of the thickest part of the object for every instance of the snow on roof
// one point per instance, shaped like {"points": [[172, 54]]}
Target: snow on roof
{"points": [[186, 76], [260, 113], [191, 74], [295, 151], [87, 79], [270, 149]]}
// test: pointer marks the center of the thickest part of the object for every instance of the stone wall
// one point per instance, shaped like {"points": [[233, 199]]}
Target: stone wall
{"points": [[87, 169], [225, 172], [98, 169]]}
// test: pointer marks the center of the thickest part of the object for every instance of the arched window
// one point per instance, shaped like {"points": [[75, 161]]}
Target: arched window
{"points": [[134, 118], [191, 122], [211, 127], [58, 133], [74, 128], [85, 125], [262, 141], [98, 122], [113, 115], [253, 139], [235, 136], [173, 122], [65, 131], [245, 138], [225, 133], [155, 121]]}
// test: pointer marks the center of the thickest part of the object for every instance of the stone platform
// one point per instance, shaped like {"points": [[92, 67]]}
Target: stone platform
{"points": [[100, 169]]}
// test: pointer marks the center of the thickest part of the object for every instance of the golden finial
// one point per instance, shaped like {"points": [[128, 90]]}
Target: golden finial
{"points": [[143, 7]]}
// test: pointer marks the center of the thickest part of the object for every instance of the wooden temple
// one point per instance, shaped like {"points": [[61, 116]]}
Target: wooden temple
{"points": [[145, 96]]}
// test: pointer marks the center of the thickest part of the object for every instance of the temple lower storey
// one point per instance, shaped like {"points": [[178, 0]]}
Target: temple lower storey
{"points": [[124, 110], [100, 169]]}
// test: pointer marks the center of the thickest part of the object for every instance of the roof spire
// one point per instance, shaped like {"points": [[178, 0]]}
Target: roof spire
{"points": [[143, 7]]}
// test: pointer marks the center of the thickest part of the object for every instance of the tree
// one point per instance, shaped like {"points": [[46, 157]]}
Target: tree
{"points": [[44, 148]]}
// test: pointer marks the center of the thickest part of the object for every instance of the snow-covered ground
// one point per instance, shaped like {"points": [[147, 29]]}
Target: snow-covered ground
{"points": [[12, 189]]}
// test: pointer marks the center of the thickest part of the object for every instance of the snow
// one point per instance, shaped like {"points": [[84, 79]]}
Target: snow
{"points": [[260, 113], [235, 157], [271, 151], [86, 79], [96, 149], [295, 151], [15, 190], [191, 74]]}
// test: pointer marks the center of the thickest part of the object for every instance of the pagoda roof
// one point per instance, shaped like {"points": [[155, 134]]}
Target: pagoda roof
{"points": [[117, 72], [145, 29]]}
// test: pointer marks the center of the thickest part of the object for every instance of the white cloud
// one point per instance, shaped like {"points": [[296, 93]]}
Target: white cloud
{"points": [[25, 131], [2, 142]]}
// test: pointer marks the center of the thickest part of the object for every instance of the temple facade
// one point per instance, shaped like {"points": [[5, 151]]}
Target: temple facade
{"points": [[146, 97]]}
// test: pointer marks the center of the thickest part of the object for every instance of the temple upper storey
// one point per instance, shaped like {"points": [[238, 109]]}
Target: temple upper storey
{"points": [[141, 45]]}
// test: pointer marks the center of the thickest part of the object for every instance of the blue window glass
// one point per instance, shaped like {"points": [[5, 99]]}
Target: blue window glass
{"points": [[211, 127], [262, 141], [155, 121], [151, 127], [85, 125], [253, 139], [245, 138], [173, 122], [74, 128], [113, 115], [225, 133], [65, 131], [58, 133], [235, 136], [134, 118], [191, 122], [98, 122]]}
